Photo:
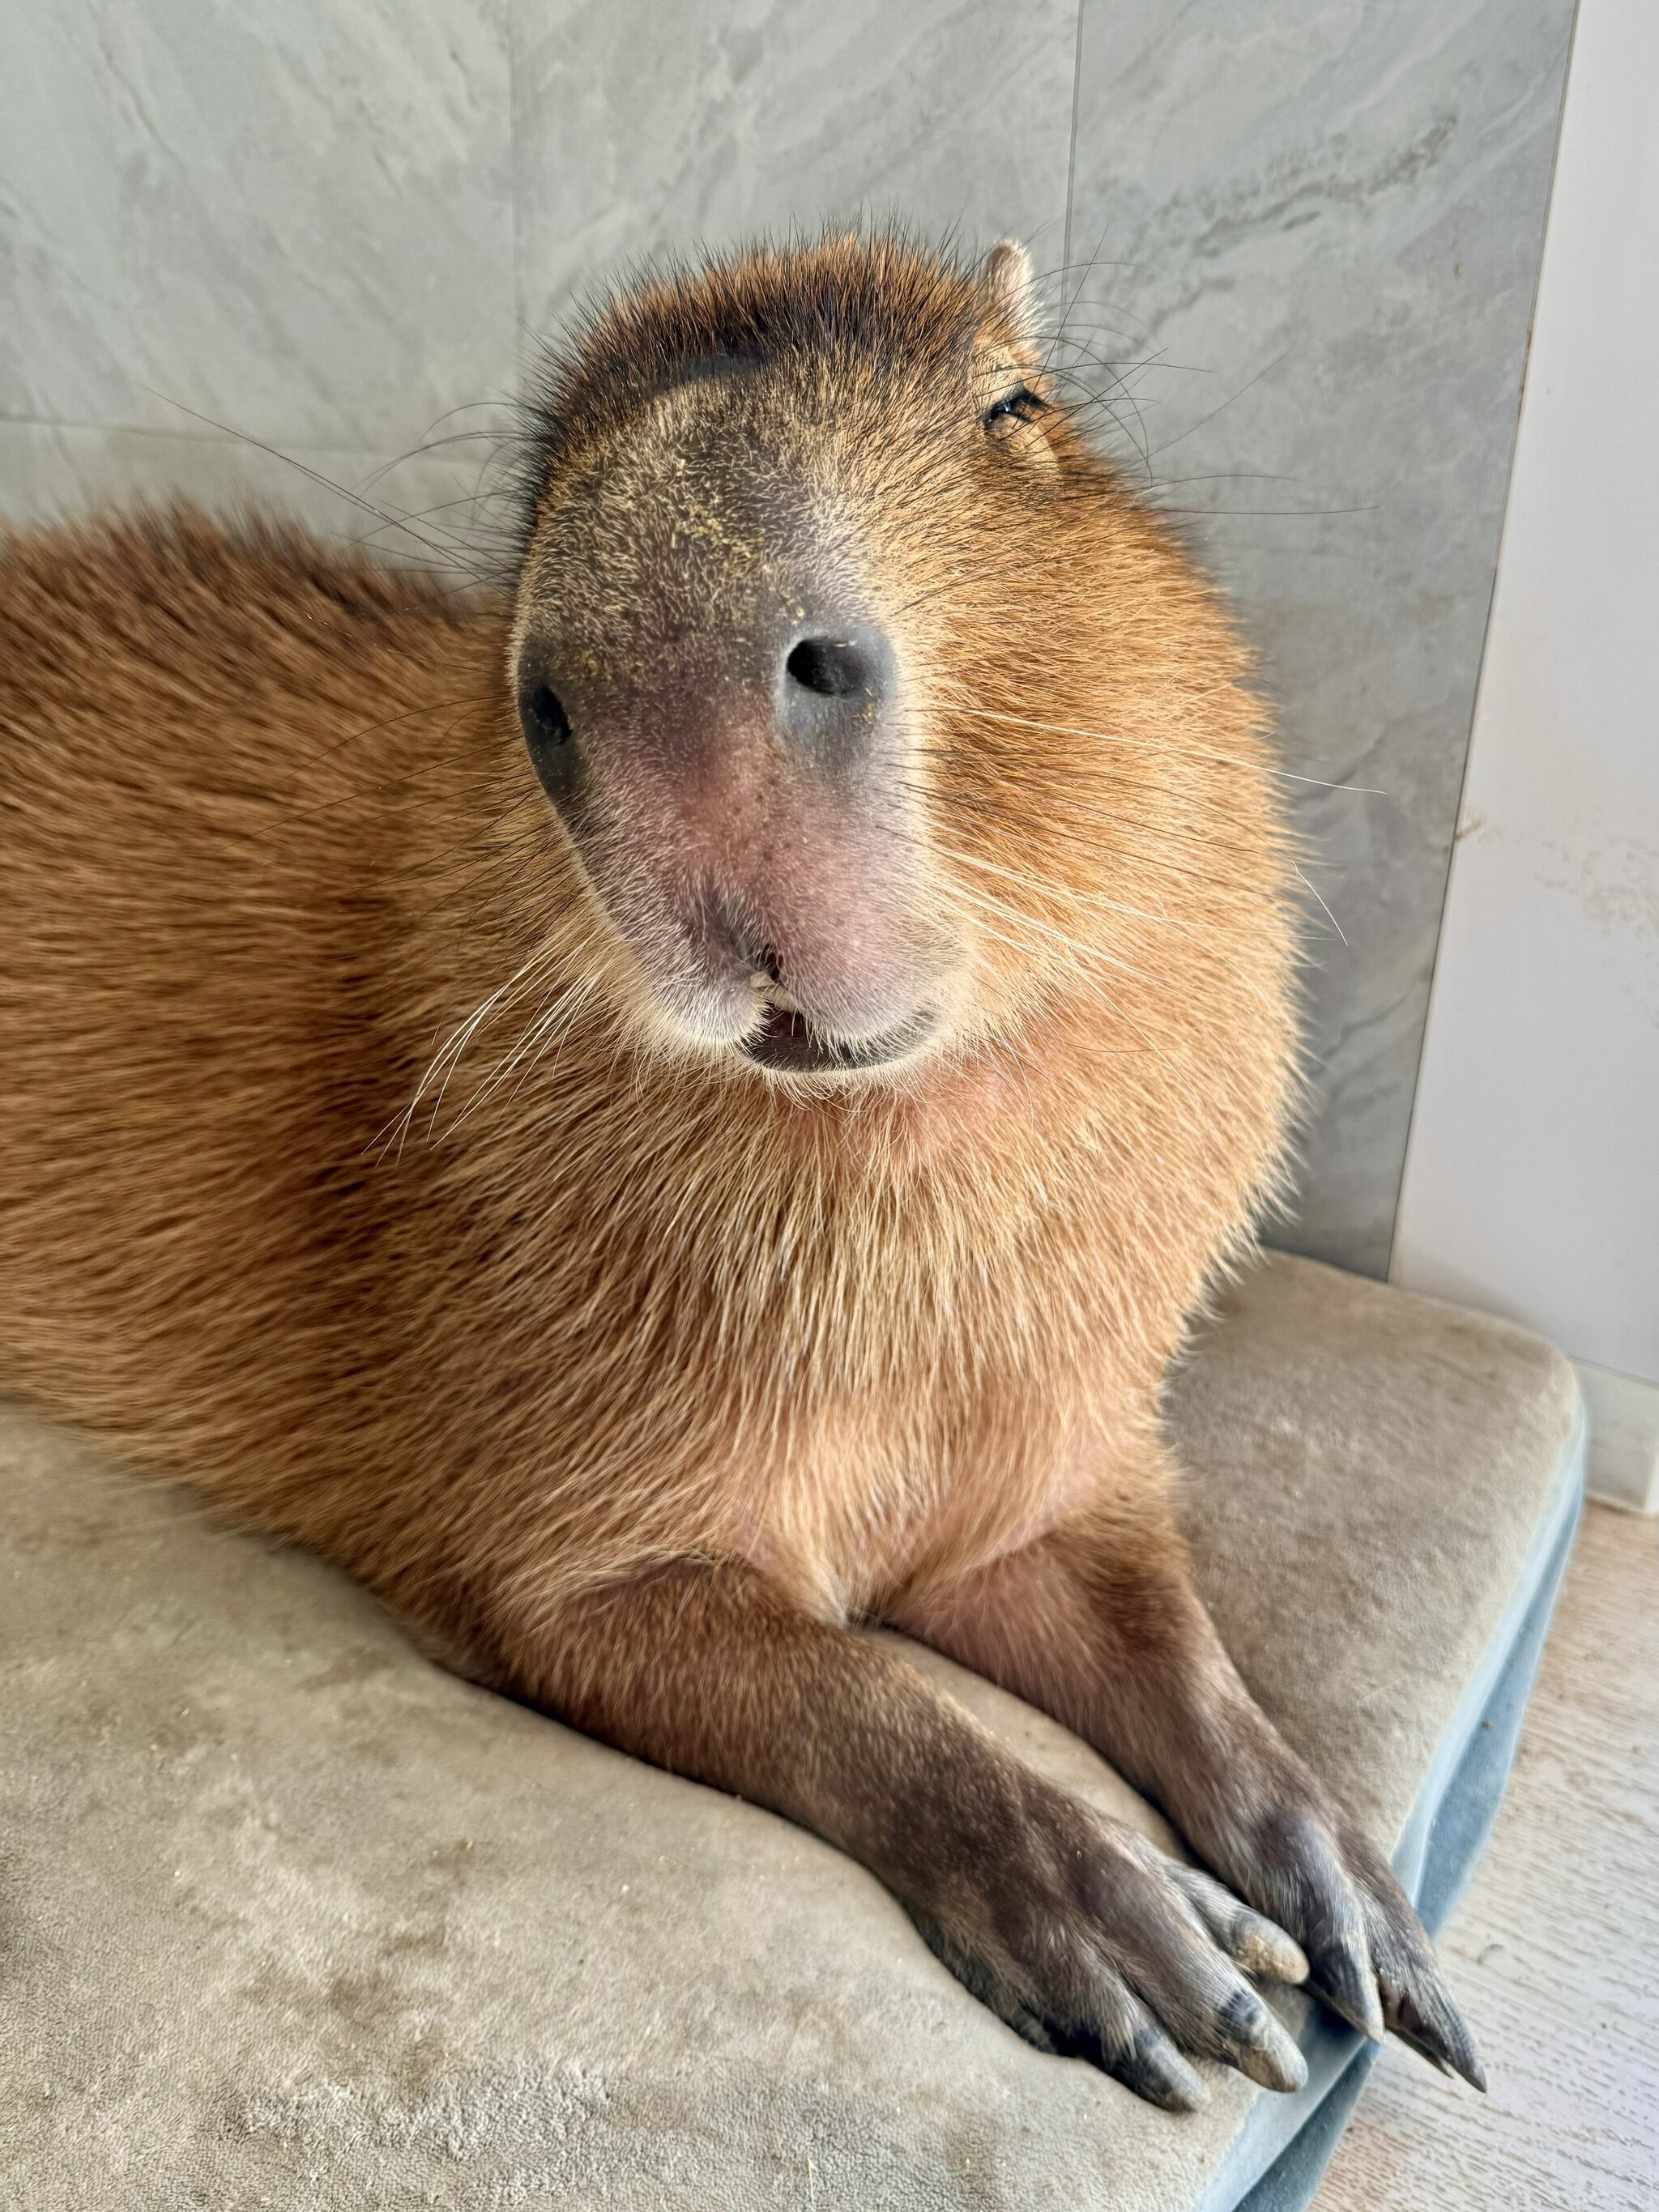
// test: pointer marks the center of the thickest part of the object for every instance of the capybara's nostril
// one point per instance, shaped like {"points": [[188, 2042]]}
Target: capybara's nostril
{"points": [[833, 691], [831, 666], [545, 710], [547, 736]]}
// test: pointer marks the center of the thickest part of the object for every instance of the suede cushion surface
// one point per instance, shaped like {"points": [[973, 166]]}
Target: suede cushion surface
{"points": [[290, 1917]]}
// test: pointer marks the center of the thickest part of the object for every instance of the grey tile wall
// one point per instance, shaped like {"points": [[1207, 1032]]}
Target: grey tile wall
{"points": [[640, 128], [295, 223], [1325, 217], [296, 219], [336, 229]]}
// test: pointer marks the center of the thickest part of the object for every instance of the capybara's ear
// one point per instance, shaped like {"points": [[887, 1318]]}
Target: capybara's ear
{"points": [[1008, 281]]}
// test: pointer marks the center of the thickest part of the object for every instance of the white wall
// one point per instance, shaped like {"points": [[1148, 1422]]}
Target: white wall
{"points": [[1532, 1174]]}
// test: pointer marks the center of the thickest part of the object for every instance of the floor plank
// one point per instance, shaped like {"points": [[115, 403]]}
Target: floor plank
{"points": [[1554, 1951]]}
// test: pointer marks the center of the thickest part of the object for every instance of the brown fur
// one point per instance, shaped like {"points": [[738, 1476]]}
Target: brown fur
{"points": [[350, 1167]]}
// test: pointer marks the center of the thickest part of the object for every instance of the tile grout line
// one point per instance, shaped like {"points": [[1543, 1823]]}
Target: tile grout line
{"points": [[1070, 153], [515, 244]]}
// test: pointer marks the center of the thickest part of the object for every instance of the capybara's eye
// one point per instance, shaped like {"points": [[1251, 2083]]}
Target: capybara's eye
{"points": [[546, 711], [1022, 404]]}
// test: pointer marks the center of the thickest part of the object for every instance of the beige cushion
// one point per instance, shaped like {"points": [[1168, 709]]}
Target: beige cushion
{"points": [[290, 1917]]}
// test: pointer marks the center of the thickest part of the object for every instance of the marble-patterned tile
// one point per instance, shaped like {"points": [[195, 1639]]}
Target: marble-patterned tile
{"points": [[1319, 223], [294, 220], [439, 511], [641, 129]]}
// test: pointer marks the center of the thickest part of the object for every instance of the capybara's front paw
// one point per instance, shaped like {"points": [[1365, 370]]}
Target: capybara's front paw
{"points": [[1285, 1843], [1091, 1942]]}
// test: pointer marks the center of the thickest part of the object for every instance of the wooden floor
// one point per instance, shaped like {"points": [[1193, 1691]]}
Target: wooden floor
{"points": [[1554, 1951]]}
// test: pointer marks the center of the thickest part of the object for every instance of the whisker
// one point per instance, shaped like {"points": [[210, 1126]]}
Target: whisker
{"points": [[449, 1052], [1084, 898], [1072, 944], [1193, 428], [1158, 744], [449, 555], [566, 999], [1329, 916]]}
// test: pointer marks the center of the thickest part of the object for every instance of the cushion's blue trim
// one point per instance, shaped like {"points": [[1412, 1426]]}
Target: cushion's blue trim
{"points": [[1288, 2184], [1276, 2160]]}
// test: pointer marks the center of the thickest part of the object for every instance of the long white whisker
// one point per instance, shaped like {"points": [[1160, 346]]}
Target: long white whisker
{"points": [[1160, 744], [451, 1050], [1091, 899], [469, 1030], [1100, 991], [1072, 944], [558, 1036], [566, 1003], [1329, 916]]}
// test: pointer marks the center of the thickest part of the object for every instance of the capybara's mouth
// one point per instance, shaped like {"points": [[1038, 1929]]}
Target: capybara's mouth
{"points": [[784, 1041]]}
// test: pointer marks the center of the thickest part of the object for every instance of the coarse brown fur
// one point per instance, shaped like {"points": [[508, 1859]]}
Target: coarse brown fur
{"points": [[351, 1167]]}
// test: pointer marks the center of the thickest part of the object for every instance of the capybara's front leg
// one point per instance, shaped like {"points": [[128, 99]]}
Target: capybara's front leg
{"points": [[1075, 1929], [1099, 1624]]}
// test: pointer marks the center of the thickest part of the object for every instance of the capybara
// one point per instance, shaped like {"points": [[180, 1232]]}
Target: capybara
{"points": [[670, 1111]]}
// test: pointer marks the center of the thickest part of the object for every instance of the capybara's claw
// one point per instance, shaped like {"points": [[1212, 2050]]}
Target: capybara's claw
{"points": [[1425, 2018], [1369, 1957], [1091, 1942]]}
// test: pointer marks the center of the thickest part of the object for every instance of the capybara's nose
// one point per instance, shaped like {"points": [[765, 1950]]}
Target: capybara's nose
{"points": [[832, 685]]}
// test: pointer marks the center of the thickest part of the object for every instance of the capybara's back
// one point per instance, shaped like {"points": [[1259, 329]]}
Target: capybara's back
{"points": [[666, 1113], [204, 809]]}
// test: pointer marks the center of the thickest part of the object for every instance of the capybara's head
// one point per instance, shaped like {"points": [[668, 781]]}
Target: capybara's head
{"points": [[860, 681]]}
